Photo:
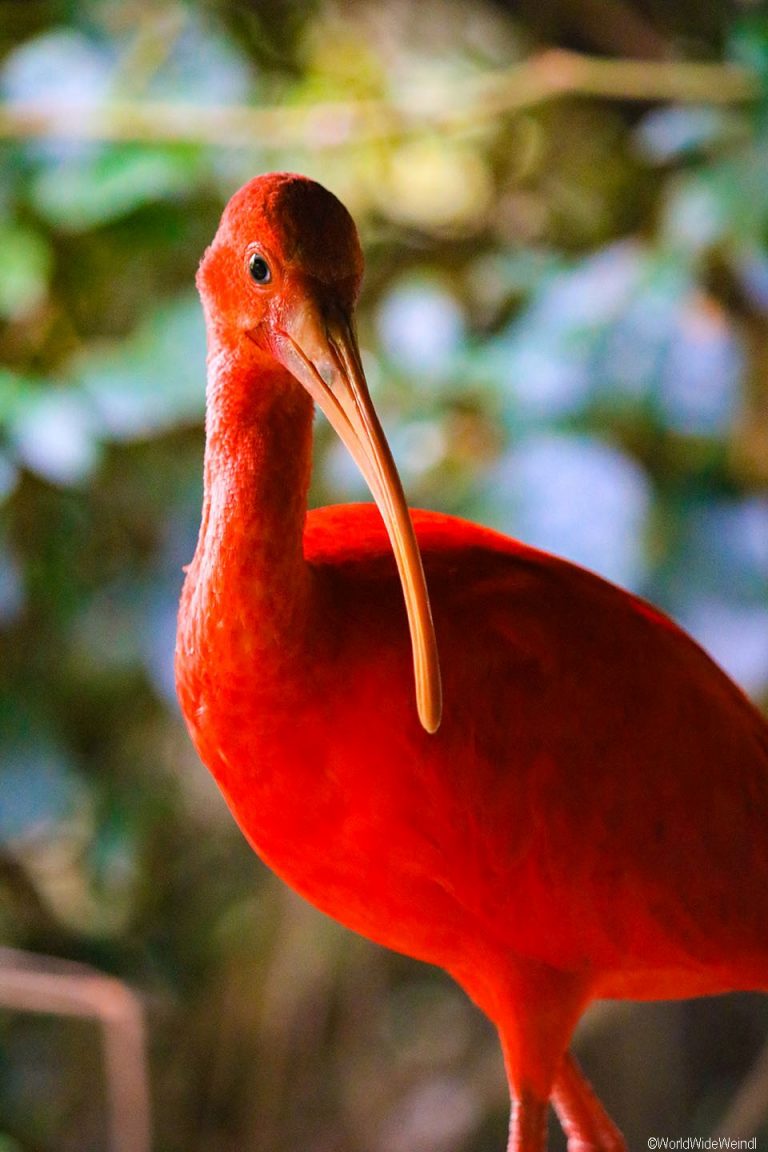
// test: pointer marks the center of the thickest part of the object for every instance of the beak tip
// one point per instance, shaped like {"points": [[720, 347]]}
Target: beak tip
{"points": [[430, 715]]}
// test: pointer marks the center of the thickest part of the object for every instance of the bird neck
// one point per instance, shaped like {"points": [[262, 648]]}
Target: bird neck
{"points": [[249, 560]]}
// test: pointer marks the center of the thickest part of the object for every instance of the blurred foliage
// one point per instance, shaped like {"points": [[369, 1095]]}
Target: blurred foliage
{"points": [[564, 325]]}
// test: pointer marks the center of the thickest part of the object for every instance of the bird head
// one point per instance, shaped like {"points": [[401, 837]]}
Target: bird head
{"points": [[280, 282], [282, 239]]}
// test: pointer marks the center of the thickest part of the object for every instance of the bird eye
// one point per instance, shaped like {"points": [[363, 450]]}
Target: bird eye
{"points": [[259, 269]]}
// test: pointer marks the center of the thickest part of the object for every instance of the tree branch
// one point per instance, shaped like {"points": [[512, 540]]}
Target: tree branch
{"points": [[548, 76], [30, 983]]}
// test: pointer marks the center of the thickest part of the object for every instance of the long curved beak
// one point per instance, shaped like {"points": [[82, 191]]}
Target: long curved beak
{"points": [[319, 347]]}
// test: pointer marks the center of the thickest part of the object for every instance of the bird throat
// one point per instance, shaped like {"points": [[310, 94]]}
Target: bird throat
{"points": [[249, 572]]}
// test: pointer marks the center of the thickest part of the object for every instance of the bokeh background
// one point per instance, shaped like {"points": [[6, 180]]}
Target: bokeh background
{"points": [[564, 205]]}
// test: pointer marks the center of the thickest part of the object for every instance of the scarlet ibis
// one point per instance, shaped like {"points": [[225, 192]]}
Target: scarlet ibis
{"points": [[591, 817]]}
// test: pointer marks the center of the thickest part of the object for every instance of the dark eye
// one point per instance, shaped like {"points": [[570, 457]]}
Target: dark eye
{"points": [[259, 269]]}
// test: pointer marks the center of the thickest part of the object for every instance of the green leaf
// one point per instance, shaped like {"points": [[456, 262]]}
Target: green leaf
{"points": [[25, 266], [17, 394], [152, 381], [748, 45], [93, 190]]}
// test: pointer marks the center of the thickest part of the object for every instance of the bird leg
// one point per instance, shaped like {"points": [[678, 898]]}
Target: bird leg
{"points": [[528, 1126], [585, 1122], [535, 1008]]}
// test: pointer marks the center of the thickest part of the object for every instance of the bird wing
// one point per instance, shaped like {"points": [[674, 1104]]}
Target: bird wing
{"points": [[643, 769], [601, 782]]}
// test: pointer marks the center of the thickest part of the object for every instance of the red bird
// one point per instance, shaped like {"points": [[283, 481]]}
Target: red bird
{"points": [[591, 817]]}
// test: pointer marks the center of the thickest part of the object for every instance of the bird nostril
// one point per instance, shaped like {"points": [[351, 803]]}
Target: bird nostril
{"points": [[327, 374]]}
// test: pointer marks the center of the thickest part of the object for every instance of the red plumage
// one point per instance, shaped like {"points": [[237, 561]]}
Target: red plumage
{"points": [[590, 819]]}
